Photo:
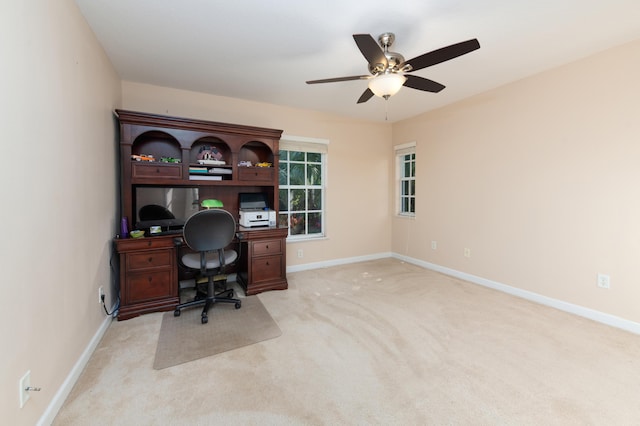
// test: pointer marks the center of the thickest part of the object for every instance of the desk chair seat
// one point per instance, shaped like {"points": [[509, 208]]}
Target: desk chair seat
{"points": [[208, 233]]}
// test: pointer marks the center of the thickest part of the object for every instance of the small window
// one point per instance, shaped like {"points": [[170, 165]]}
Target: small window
{"points": [[406, 172], [302, 186]]}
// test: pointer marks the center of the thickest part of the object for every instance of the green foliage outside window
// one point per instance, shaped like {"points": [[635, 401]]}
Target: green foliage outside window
{"points": [[301, 193]]}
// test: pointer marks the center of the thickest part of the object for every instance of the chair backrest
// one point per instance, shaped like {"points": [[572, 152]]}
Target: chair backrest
{"points": [[209, 230], [155, 212]]}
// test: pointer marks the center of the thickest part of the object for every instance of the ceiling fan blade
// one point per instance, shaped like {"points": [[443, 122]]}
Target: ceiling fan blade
{"points": [[337, 79], [420, 83], [371, 50], [366, 95], [441, 55]]}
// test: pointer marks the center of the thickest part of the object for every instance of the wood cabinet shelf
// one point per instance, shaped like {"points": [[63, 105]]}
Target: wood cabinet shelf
{"points": [[179, 147], [188, 141]]}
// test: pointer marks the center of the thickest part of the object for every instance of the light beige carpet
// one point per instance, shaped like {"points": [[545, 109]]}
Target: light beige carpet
{"points": [[185, 338], [374, 343]]}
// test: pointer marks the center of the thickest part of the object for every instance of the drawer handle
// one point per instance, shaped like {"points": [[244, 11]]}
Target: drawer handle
{"points": [[150, 260], [267, 246], [267, 263], [150, 278]]}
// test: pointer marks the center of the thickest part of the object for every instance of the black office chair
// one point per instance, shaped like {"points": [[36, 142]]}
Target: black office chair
{"points": [[208, 232]]}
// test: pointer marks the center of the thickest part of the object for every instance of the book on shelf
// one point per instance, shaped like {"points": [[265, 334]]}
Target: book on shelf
{"points": [[210, 170], [220, 171], [212, 162], [204, 177], [197, 169]]}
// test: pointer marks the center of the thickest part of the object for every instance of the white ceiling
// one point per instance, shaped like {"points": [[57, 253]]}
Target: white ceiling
{"points": [[265, 50]]}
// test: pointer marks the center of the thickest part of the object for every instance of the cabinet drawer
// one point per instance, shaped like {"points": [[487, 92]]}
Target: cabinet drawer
{"points": [[149, 286], [255, 173], [149, 259], [261, 248], [267, 268], [166, 171], [126, 245]]}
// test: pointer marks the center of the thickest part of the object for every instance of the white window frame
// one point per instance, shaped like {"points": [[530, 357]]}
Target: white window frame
{"points": [[313, 145], [400, 152]]}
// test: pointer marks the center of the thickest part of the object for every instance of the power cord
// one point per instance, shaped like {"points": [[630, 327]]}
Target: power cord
{"points": [[115, 308], [116, 286]]}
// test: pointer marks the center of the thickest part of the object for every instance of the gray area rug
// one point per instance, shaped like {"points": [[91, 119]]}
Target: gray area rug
{"points": [[185, 338]]}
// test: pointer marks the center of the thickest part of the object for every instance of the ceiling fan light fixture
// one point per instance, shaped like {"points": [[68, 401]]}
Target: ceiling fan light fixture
{"points": [[386, 85], [389, 71]]}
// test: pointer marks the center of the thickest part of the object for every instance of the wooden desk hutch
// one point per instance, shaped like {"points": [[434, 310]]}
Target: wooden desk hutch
{"points": [[149, 266]]}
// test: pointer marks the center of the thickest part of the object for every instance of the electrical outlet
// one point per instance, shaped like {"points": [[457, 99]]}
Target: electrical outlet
{"points": [[100, 294], [300, 253], [604, 281], [467, 252], [434, 245], [25, 382]]}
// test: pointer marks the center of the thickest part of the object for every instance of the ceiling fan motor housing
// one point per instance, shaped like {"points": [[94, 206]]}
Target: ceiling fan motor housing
{"points": [[394, 59]]}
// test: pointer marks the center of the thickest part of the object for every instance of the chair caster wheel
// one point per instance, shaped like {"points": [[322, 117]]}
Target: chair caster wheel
{"points": [[230, 293], [205, 320], [176, 313], [238, 304]]}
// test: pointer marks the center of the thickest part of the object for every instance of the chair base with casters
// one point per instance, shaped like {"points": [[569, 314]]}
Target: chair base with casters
{"points": [[211, 297], [208, 232], [201, 285]]}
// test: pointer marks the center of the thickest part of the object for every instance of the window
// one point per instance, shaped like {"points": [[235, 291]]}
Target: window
{"points": [[406, 172], [302, 186]]}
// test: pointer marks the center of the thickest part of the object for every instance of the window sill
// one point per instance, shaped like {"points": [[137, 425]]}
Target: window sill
{"points": [[406, 216], [299, 239]]}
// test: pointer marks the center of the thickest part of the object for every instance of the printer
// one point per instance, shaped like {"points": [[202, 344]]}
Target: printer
{"points": [[253, 218], [254, 210]]}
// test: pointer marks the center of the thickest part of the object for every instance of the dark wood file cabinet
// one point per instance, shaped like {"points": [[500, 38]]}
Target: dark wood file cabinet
{"points": [[148, 275], [263, 259]]}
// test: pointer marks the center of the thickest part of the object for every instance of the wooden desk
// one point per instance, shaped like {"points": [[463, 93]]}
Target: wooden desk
{"points": [[149, 269]]}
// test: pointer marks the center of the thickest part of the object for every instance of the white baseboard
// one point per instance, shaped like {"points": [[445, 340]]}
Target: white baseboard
{"points": [[588, 313], [62, 394], [591, 314], [336, 262]]}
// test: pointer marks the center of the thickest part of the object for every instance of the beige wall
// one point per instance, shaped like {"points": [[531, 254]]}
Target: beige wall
{"points": [[537, 178], [58, 195], [540, 180], [358, 220]]}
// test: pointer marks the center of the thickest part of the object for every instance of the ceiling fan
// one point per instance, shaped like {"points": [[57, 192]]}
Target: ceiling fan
{"points": [[389, 71]]}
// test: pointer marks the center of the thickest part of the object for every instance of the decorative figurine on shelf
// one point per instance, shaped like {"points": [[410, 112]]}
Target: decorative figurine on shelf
{"points": [[169, 160], [142, 157], [209, 153]]}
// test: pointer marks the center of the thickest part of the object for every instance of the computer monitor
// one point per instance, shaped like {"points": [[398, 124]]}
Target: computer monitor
{"points": [[164, 206]]}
